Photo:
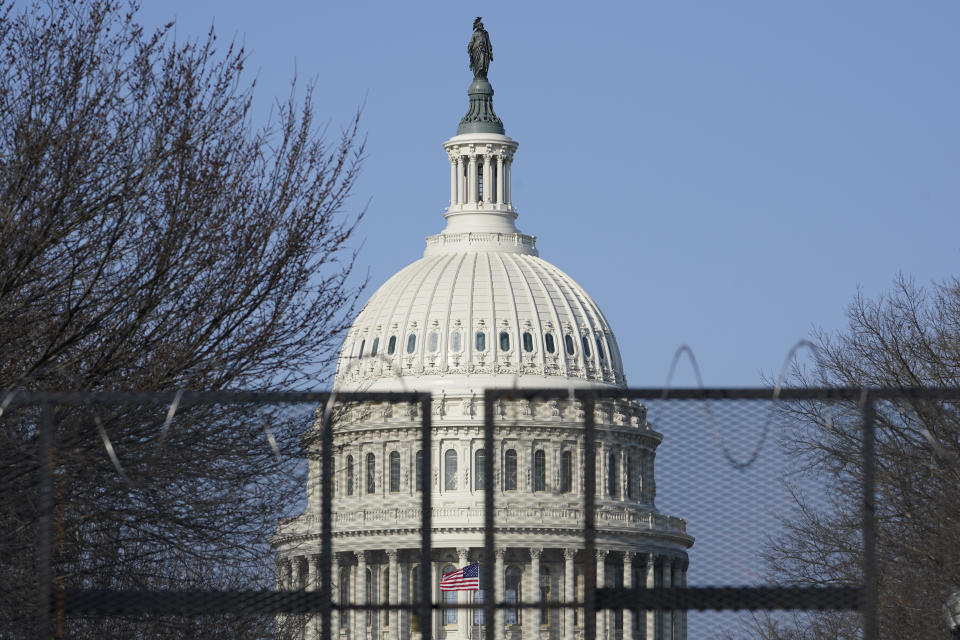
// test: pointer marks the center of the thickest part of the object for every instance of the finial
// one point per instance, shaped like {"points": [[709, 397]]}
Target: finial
{"points": [[480, 50]]}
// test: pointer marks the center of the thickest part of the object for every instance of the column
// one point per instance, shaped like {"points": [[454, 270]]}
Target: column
{"points": [[359, 630], [436, 597], [677, 615], [500, 179], [334, 596], [297, 573], [531, 594], [453, 181], [601, 583], [472, 179], [569, 591], [313, 619], [392, 593], [498, 585], [487, 181], [461, 184], [683, 614], [508, 170], [667, 582], [624, 474], [464, 616], [628, 584], [651, 579]]}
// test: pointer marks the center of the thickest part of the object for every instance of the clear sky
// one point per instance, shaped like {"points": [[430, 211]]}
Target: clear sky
{"points": [[723, 175]]}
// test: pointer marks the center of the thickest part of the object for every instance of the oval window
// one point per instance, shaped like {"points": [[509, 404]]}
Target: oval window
{"points": [[586, 347], [455, 345], [391, 345], [600, 353], [481, 341], [527, 341], [548, 339], [504, 341], [568, 340], [433, 342], [411, 342], [376, 345]]}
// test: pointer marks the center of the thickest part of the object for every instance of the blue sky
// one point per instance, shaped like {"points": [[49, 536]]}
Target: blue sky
{"points": [[723, 175]]}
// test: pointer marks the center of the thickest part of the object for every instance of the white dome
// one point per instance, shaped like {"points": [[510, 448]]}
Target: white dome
{"points": [[480, 309], [422, 329]]}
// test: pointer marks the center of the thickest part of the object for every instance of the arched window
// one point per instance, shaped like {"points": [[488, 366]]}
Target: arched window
{"points": [[613, 475], [415, 577], [385, 596], [568, 340], [527, 341], [548, 339], [449, 598], [371, 473], [586, 346], [455, 342], [481, 344], [479, 469], [600, 352], [333, 472], [478, 613], [512, 591], [479, 180], [418, 471], [369, 596], [493, 182], [395, 471], [539, 470], [411, 343], [376, 345], [391, 345], [504, 341], [450, 470], [363, 343], [510, 470], [631, 492], [349, 475], [346, 595], [433, 342], [545, 584], [566, 472]]}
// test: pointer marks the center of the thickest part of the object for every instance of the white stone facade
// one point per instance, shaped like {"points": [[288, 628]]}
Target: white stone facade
{"points": [[482, 310]]}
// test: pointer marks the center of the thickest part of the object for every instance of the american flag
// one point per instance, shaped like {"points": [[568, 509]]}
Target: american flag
{"points": [[463, 579]]}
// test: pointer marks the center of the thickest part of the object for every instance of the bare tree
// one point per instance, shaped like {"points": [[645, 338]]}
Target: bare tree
{"points": [[153, 237], [907, 338]]}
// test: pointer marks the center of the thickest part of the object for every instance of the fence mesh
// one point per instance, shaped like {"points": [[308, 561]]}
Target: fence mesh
{"points": [[622, 514]]}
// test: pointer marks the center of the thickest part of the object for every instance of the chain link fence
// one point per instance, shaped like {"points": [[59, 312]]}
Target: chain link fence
{"points": [[617, 514]]}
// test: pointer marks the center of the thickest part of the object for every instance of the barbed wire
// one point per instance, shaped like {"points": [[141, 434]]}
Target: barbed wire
{"points": [[350, 365]]}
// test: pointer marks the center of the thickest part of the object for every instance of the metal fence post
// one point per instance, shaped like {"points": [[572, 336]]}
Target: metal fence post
{"points": [[45, 533], [487, 574], [426, 579], [870, 595], [589, 528], [326, 524]]}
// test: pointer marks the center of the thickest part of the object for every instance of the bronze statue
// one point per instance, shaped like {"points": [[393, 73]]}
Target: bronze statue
{"points": [[480, 50]]}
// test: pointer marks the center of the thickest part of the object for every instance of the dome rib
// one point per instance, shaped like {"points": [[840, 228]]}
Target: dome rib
{"points": [[534, 269], [534, 311]]}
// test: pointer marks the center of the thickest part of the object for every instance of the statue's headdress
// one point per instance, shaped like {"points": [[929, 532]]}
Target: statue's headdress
{"points": [[477, 23]]}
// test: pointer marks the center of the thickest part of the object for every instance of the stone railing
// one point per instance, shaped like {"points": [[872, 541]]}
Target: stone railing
{"points": [[473, 516]]}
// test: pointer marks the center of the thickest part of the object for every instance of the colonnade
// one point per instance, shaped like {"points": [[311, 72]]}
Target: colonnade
{"points": [[527, 575], [465, 182]]}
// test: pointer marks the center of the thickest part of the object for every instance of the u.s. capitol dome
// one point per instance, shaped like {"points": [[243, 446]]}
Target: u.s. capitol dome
{"points": [[481, 309]]}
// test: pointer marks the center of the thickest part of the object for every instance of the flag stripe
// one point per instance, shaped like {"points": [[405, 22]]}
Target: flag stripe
{"points": [[463, 579]]}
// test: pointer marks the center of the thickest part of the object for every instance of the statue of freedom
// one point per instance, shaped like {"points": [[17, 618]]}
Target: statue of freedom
{"points": [[480, 50]]}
